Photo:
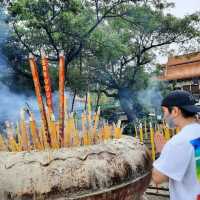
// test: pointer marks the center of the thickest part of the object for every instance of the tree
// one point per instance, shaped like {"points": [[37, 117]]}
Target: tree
{"points": [[116, 39], [59, 24], [128, 46], [55, 25]]}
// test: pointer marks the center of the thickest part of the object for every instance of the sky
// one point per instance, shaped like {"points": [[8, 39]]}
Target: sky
{"points": [[184, 7]]}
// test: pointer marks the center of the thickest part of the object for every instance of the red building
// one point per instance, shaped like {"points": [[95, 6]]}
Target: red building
{"points": [[183, 72]]}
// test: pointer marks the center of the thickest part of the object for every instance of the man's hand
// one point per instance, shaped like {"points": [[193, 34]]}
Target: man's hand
{"points": [[158, 177], [159, 141]]}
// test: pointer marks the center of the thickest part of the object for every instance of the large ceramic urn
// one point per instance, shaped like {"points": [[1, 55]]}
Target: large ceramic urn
{"points": [[119, 169]]}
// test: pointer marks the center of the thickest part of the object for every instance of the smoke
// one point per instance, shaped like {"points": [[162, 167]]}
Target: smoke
{"points": [[151, 97], [11, 102]]}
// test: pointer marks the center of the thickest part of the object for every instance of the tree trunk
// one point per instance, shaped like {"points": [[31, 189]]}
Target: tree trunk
{"points": [[86, 99], [73, 101], [98, 99], [126, 101]]}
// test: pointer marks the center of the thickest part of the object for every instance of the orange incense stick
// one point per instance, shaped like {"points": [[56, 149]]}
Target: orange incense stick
{"points": [[47, 81], [39, 96], [61, 94]]}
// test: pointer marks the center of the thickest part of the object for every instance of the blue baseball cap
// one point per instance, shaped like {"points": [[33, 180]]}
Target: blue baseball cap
{"points": [[181, 99]]}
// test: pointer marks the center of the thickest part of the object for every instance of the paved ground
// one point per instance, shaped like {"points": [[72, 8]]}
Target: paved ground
{"points": [[152, 197], [156, 198]]}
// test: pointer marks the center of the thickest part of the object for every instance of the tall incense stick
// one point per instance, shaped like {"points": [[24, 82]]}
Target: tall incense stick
{"points": [[47, 81], [39, 96], [61, 94]]}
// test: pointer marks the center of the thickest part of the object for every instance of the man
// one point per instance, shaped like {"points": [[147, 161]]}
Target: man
{"points": [[179, 161]]}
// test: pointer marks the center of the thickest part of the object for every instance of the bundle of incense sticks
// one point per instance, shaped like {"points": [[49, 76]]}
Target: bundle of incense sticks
{"points": [[147, 133], [52, 133]]}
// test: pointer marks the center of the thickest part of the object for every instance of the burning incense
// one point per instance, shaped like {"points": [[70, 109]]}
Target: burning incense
{"points": [[39, 96], [50, 133], [61, 94], [47, 82]]}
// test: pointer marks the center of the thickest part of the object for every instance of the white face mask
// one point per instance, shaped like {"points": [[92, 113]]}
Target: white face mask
{"points": [[170, 122]]}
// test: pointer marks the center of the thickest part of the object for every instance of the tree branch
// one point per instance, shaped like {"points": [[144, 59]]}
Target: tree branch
{"points": [[51, 39], [23, 43], [105, 92]]}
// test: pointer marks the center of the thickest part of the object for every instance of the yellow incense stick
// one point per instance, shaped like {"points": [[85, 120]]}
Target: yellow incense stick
{"points": [[19, 139], [141, 133], [34, 133], [53, 132], [167, 133], [136, 132], [75, 134], [12, 145], [24, 134], [177, 130], [84, 131], [153, 153], [145, 129], [44, 137], [2, 144], [107, 132], [67, 132], [118, 130], [89, 110], [65, 106]]}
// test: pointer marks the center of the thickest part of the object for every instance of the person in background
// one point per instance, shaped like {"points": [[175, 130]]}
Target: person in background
{"points": [[179, 160]]}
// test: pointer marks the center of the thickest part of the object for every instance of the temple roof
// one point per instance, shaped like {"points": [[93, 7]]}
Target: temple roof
{"points": [[182, 67]]}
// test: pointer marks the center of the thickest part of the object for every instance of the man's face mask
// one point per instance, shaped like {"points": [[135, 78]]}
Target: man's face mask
{"points": [[170, 121], [168, 118]]}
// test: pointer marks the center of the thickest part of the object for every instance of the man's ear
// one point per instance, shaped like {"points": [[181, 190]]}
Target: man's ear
{"points": [[176, 111]]}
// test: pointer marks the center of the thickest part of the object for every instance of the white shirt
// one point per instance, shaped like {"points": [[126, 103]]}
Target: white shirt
{"points": [[177, 161]]}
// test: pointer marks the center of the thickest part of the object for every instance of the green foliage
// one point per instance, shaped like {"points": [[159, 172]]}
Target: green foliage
{"points": [[109, 43], [77, 81]]}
